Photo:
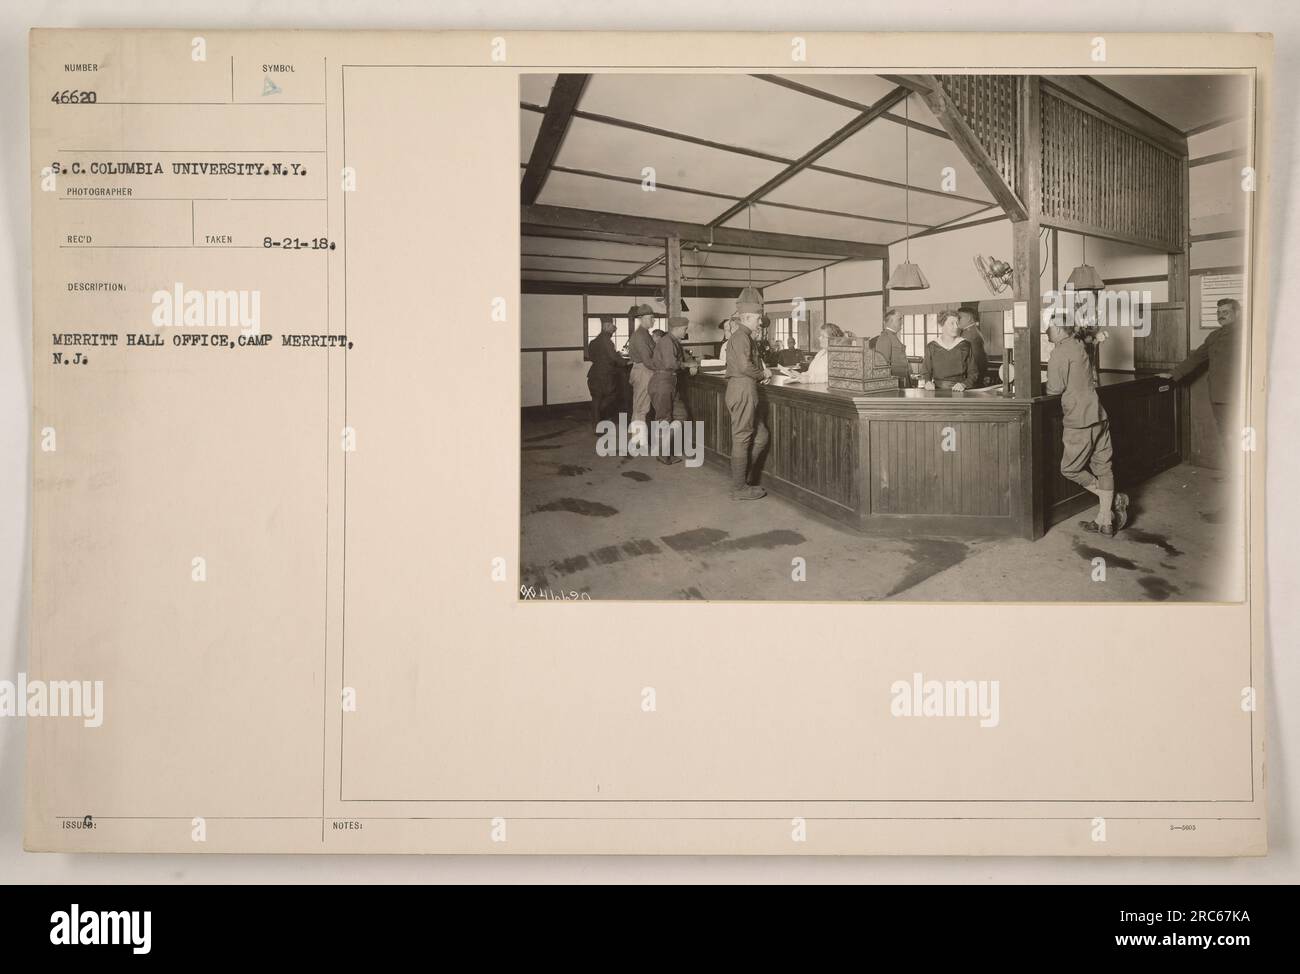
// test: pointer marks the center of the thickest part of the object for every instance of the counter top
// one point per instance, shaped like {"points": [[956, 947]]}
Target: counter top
{"points": [[991, 396]]}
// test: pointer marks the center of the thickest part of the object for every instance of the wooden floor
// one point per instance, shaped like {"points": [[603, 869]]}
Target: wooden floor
{"points": [[632, 528]]}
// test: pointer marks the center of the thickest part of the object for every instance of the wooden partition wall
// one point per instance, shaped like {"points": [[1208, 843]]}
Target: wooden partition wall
{"points": [[1068, 153], [1095, 173]]}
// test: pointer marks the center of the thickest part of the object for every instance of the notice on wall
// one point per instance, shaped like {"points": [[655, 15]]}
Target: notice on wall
{"points": [[1216, 287]]}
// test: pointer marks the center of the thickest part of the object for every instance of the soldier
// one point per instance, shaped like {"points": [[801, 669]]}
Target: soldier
{"points": [[1085, 434], [669, 409], [640, 348], [744, 372], [605, 375]]}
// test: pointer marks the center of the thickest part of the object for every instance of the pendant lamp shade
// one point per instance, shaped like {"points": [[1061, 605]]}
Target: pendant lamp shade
{"points": [[1085, 276], [907, 276]]}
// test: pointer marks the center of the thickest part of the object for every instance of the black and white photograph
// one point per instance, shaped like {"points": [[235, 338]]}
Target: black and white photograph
{"points": [[929, 337], [707, 443]]}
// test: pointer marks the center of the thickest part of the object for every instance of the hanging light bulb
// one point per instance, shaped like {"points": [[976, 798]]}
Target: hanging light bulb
{"points": [[1085, 276], [907, 276]]}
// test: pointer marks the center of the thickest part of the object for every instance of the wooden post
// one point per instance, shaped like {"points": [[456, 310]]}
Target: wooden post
{"points": [[1054, 242], [1026, 264], [673, 274], [965, 139], [1180, 262], [1180, 289]]}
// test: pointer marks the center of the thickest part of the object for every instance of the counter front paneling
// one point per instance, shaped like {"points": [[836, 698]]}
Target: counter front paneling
{"points": [[814, 454], [936, 463]]}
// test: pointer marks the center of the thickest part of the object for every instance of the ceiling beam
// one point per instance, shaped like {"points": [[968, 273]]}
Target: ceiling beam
{"points": [[954, 123], [625, 290], [755, 154], [673, 187], [1109, 101], [920, 83], [803, 89], [835, 99], [625, 123], [1214, 123], [642, 269], [834, 141], [555, 125], [583, 261], [532, 230], [917, 126], [1099, 99], [638, 226], [576, 233]]}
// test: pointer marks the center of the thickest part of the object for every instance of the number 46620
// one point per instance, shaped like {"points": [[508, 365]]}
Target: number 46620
{"points": [[72, 96]]}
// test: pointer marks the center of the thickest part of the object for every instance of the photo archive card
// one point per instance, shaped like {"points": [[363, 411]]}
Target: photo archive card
{"points": [[626, 443]]}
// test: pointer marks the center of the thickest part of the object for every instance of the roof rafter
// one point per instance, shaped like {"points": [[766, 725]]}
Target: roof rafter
{"points": [[756, 154], [555, 125], [600, 222], [832, 141], [951, 118], [849, 102]]}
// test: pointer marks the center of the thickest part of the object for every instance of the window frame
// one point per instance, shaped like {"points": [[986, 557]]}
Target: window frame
{"points": [[784, 327], [917, 338]]}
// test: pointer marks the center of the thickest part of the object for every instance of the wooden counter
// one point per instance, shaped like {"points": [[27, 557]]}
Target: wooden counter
{"points": [[937, 462]]}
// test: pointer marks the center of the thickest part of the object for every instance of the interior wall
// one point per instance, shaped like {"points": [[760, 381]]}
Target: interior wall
{"points": [[553, 322], [860, 314], [1124, 267], [948, 261], [1218, 206], [552, 332]]}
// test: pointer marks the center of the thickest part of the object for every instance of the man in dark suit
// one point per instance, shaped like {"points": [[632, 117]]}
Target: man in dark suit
{"points": [[604, 378], [968, 317], [889, 350], [1221, 352]]}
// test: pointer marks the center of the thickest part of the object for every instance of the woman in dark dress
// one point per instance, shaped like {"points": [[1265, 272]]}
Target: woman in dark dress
{"points": [[949, 361]]}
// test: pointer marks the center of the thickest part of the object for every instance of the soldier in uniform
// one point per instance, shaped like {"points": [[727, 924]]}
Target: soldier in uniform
{"points": [[670, 411], [745, 371], [1085, 431], [640, 348], [605, 376]]}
